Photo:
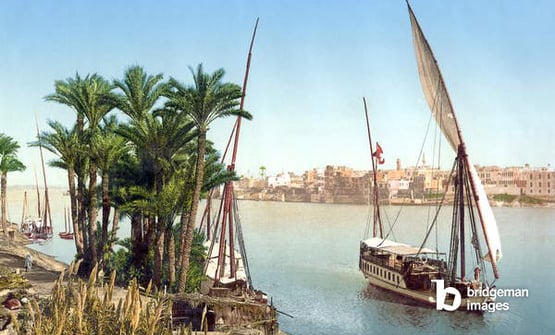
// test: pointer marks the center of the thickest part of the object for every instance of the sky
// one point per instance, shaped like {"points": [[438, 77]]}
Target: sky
{"points": [[312, 63]]}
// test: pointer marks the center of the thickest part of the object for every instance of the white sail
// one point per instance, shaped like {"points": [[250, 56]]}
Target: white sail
{"points": [[489, 224], [434, 87], [440, 105]]}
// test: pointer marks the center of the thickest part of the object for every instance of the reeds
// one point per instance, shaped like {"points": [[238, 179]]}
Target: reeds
{"points": [[79, 307]]}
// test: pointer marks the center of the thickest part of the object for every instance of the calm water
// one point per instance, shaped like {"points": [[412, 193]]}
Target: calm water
{"points": [[306, 257]]}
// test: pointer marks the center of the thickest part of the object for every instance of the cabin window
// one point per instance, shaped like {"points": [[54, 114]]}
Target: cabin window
{"points": [[389, 276], [398, 279]]}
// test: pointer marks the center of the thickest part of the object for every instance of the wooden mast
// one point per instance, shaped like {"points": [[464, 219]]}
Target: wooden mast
{"points": [[47, 221], [227, 217], [375, 188]]}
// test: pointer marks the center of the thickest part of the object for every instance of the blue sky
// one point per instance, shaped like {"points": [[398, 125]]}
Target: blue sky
{"points": [[312, 63]]}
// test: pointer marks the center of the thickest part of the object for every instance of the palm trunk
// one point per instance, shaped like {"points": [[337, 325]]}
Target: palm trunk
{"points": [[187, 230], [3, 188], [77, 233], [105, 210], [170, 246], [158, 255], [80, 171], [137, 239], [82, 208], [93, 245], [115, 225]]}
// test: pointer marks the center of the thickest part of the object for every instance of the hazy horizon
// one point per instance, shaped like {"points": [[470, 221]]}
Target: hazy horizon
{"points": [[312, 63]]}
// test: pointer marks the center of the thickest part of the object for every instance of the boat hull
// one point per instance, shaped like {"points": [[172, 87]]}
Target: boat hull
{"points": [[425, 297]]}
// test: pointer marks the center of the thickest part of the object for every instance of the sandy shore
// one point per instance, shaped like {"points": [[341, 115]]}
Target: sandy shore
{"points": [[44, 272]]}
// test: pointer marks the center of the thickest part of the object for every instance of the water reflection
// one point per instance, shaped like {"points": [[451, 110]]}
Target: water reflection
{"points": [[402, 312]]}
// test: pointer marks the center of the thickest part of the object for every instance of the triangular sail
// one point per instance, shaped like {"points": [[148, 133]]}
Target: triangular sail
{"points": [[440, 105]]}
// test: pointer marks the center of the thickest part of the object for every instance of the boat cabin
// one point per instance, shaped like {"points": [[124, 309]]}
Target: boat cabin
{"points": [[385, 259]]}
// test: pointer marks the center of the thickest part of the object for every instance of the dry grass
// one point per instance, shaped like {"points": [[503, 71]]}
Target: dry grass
{"points": [[85, 307]]}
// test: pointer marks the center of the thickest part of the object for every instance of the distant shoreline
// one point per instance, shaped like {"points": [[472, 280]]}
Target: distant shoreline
{"points": [[544, 203]]}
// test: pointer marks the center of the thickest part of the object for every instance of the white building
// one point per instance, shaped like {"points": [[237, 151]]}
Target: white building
{"points": [[281, 179]]}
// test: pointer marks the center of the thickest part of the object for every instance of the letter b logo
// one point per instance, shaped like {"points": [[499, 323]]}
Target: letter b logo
{"points": [[441, 294]]}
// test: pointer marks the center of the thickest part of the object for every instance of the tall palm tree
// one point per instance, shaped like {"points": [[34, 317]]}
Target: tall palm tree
{"points": [[8, 163], [95, 91], [64, 143], [137, 94], [159, 140], [88, 97], [207, 100], [110, 148]]}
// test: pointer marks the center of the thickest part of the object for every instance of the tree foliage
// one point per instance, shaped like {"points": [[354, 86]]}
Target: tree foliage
{"points": [[146, 140]]}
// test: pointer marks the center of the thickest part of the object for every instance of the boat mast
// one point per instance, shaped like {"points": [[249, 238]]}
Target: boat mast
{"points": [[38, 194], [460, 201], [24, 212], [227, 216], [47, 214], [375, 189]]}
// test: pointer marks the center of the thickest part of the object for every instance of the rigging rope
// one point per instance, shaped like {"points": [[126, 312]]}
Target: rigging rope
{"points": [[391, 226]]}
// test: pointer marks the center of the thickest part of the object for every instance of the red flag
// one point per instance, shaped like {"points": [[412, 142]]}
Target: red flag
{"points": [[378, 154]]}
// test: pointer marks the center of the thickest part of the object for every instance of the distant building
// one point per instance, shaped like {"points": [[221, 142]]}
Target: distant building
{"points": [[279, 180], [537, 182]]}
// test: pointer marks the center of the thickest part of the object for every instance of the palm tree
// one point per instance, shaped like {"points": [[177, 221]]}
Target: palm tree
{"points": [[88, 98], [110, 148], [96, 90], [139, 93], [8, 163], [207, 100], [160, 140], [64, 143]]}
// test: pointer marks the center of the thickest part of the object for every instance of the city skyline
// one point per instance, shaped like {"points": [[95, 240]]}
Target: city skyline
{"points": [[312, 64]]}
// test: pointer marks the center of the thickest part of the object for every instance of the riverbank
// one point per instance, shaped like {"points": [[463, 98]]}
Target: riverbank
{"points": [[41, 280], [496, 200]]}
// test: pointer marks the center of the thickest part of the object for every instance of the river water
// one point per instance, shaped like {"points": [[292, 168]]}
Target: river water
{"points": [[306, 257]]}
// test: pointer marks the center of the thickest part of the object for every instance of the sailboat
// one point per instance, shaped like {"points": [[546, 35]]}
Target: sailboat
{"points": [[417, 272], [228, 293], [67, 234], [37, 228]]}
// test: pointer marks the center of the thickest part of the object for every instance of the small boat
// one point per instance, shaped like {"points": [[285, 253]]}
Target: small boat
{"points": [[425, 274], [38, 229], [34, 227], [67, 234]]}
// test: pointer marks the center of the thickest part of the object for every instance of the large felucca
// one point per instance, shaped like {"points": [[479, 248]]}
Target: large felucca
{"points": [[414, 271]]}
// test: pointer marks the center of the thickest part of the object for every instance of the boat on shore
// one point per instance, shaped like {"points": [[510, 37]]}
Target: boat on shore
{"points": [[34, 227], [227, 297], [67, 234], [422, 273]]}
